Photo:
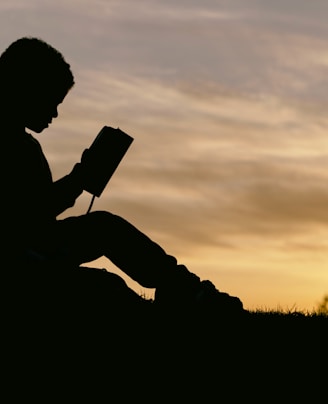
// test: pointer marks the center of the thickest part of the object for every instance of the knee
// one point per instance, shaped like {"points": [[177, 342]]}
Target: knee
{"points": [[102, 219]]}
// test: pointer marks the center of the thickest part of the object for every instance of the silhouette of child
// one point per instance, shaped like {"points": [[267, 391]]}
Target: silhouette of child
{"points": [[34, 80]]}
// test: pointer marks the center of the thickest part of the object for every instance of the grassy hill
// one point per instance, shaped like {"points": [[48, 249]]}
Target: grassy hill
{"points": [[64, 340]]}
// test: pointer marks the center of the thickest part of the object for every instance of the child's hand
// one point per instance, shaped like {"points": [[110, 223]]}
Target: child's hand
{"points": [[80, 170], [84, 157]]}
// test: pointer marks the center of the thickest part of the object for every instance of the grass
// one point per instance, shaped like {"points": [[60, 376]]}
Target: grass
{"points": [[64, 336], [82, 346], [289, 313]]}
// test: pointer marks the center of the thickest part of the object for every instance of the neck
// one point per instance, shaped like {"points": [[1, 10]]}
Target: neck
{"points": [[11, 123], [13, 128]]}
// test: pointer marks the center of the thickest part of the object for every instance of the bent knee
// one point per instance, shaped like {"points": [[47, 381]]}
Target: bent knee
{"points": [[102, 219]]}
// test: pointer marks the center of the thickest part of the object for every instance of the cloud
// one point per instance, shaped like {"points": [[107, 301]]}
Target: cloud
{"points": [[227, 104], [224, 165]]}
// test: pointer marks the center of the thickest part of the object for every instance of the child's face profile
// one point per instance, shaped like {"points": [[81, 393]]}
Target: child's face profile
{"points": [[41, 108]]}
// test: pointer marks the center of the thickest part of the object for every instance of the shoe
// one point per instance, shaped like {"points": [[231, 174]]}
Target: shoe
{"points": [[209, 297], [192, 293]]}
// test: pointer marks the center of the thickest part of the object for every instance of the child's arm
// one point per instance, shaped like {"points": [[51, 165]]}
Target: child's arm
{"points": [[66, 190]]}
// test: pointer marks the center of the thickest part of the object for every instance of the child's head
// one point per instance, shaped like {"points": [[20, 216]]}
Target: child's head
{"points": [[34, 78]]}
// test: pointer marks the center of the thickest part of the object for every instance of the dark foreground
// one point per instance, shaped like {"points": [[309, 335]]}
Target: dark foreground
{"points": [[68, 342]]}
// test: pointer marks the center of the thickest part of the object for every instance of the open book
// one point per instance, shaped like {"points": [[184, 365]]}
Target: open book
{"points": [[103, 157]]}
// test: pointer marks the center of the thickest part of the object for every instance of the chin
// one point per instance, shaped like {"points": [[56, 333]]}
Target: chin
{"points": [[37, 129]]}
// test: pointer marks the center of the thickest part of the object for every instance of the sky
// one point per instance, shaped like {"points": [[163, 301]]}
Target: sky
{"points": [[227, 104]]}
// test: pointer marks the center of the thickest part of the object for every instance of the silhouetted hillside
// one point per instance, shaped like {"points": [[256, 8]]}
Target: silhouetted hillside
{"points": [[65, 332]]}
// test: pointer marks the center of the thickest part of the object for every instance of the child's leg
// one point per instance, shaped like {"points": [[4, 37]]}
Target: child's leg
{"points": [[101, 233]]}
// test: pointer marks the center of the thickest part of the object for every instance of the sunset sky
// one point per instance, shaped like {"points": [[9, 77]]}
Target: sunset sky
{"points": [[228, 104]]}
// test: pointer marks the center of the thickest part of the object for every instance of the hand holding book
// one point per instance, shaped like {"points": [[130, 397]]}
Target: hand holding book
{"points": [[100, 160]]}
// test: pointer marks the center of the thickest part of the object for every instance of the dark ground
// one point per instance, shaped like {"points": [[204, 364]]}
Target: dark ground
{"points": [[64, 341]]}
